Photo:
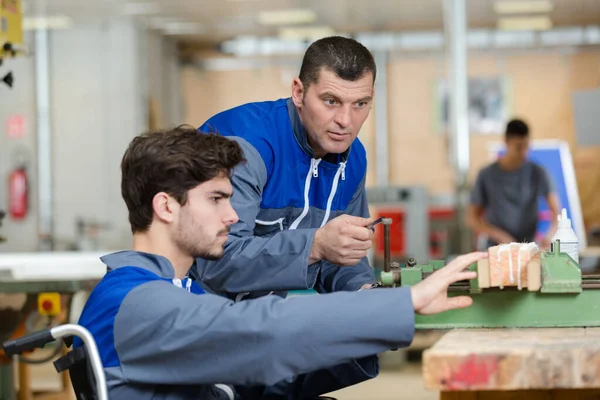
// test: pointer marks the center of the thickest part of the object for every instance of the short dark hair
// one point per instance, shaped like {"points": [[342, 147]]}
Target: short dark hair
{"points": [[517, 128], [173, 161], [346, 57]]}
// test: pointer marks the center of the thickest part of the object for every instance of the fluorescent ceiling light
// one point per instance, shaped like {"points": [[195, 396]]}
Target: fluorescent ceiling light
{"points": [[159, 22], [523, 7], [141, 8], [182, 28], [525, 23], [49, 22], [287, 17], [306, 33]]}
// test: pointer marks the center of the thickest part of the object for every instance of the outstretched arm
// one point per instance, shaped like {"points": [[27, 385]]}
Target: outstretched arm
{"points": [[181, 338]]}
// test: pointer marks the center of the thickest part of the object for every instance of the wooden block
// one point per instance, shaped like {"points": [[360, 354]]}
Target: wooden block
{"points": [[508, 264], [483, 273], [534, 274], [514, 359]]}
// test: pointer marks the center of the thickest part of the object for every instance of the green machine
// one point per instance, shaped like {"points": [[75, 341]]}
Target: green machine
{"points": [[565, 298]]}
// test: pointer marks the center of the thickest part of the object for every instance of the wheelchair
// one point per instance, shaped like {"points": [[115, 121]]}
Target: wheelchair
{"points": [[83, 363]]}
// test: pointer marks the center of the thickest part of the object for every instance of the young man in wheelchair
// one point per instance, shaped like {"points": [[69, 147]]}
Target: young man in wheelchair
{"points": [[161, 336]]}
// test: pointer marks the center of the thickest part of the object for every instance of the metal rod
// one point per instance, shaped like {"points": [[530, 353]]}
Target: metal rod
{"points": [[92, 351], [44, 141], [590, 285], [386, 250], [381, 119], [455, 21]]}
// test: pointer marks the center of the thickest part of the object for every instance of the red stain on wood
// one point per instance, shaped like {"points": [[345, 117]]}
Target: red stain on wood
{"points": [[473, 372]]}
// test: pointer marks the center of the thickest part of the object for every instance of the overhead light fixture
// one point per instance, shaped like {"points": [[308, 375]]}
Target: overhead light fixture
{"points": [[311, 33], [48, 22], [159, 22], [523, 7], [182, 28], [525, 23], [287, 17], [141, 8]]}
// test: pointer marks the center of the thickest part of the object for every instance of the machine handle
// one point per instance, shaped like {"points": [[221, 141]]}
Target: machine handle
{"points": [[29, 342]]}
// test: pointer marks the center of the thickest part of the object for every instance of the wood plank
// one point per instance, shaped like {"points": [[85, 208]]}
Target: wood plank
{"points": [[514, 359], [557, 394]]}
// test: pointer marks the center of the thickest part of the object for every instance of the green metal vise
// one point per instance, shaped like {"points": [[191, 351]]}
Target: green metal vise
{"points": [[560, 273], [565, 298]]}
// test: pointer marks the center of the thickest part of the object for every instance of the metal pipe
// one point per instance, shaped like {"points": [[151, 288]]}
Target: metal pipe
{"points": [[97, 367], [44, 142], [456, 31], [381, 119]]}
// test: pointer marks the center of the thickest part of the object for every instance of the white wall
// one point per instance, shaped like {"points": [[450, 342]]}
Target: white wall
{"points": [[101, 79], [97, 82], [21, 235], [164, 80]]}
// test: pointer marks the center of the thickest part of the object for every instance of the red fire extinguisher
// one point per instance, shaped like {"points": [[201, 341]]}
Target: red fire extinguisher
{"points": [[18, 193]]}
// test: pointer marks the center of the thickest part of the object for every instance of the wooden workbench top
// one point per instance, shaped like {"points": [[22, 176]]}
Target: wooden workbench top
{"points": [[514, 359]]}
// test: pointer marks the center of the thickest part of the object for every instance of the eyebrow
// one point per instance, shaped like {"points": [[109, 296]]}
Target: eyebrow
{"points": [[329, 94], [221, 193]]}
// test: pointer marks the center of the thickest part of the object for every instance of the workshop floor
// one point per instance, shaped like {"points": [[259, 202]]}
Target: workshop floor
{"points": [[399, 382]]}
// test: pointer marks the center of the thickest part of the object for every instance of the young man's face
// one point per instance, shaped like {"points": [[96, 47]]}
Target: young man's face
{"points": [[333, 110], [204, 221], [517, 148]]}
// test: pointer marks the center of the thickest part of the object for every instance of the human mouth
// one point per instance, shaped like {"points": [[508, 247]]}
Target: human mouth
{"points": [[338, 135], [223, 233]]}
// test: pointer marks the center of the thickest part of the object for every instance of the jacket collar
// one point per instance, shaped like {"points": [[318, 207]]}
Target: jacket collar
{"points": [[128, 258], [300, 133]]}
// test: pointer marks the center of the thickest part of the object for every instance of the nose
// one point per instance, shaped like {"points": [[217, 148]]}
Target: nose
{"points": [[342, 116], [231, 217]]}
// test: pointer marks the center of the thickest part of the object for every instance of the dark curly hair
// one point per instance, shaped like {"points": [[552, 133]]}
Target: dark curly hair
{"points": [[173, 161]]}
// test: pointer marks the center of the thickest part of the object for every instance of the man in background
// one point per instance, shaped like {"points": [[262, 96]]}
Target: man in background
{"points": [[504, 200]]}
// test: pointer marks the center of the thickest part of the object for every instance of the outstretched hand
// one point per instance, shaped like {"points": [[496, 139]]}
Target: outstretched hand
{"points": [[430, 296]]}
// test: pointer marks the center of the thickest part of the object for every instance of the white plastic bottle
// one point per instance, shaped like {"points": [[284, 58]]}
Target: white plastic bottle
{"points": [[569, 243]]}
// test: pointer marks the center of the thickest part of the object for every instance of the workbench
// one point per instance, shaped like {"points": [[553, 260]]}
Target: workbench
{"points": [[25, 275], [498, 364]]}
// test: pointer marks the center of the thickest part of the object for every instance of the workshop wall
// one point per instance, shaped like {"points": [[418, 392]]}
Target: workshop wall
{"points": [[19, 102], [97, 108], [541, 84], [164, 82], [103, 80]]}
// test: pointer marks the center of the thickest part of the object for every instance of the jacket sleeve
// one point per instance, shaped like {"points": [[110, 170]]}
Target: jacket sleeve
{"points": [[182, 338], [253, 263], [320, 382], [333, 278]]}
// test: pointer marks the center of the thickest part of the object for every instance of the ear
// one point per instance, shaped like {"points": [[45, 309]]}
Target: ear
{"points": [[297, 92], [165, 207]]}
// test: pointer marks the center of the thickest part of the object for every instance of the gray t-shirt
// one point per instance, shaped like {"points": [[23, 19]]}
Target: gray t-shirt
{"points": [[510, 198]]}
